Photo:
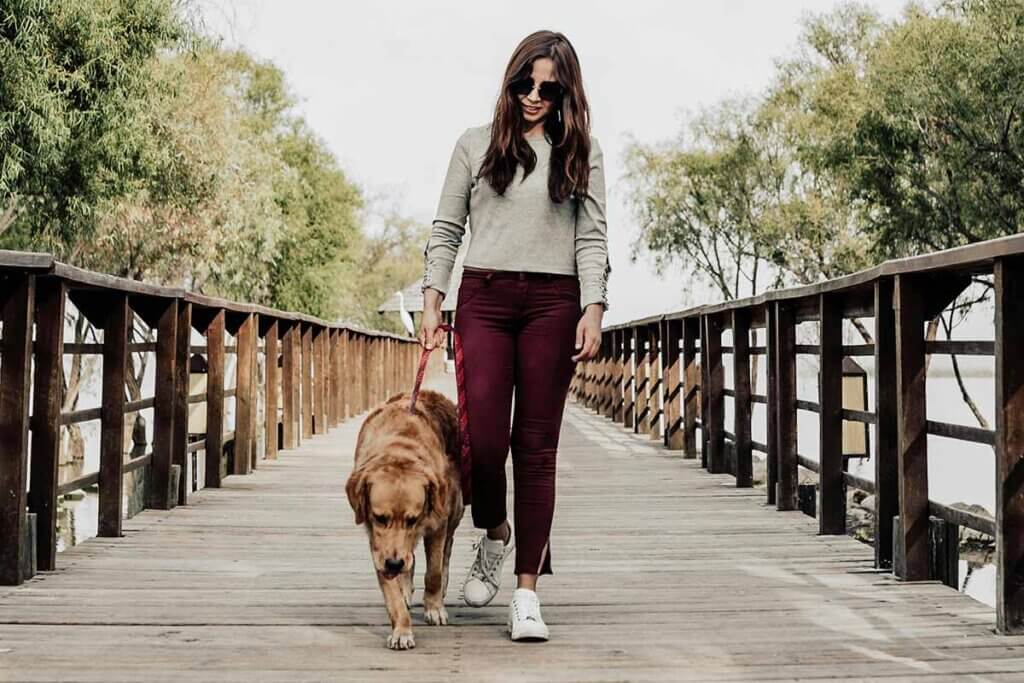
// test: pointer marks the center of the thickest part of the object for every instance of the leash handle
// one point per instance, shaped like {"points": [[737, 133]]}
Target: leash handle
{"points": [[465, 461]]}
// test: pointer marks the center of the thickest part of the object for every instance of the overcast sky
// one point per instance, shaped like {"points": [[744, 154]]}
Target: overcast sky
{"points": [[391, 85]]}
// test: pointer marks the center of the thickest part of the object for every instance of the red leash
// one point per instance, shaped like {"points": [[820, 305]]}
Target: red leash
{"points": [[465, 462]]}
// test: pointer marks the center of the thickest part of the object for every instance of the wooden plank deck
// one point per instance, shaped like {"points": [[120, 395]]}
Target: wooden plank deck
{"points": [[662, 573]]}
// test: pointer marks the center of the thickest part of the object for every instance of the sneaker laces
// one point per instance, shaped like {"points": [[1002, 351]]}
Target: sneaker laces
{"points": [[485, 567], [526, 607]]}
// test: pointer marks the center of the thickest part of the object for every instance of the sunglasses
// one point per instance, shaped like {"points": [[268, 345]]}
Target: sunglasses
{"points": [[549, 91]]}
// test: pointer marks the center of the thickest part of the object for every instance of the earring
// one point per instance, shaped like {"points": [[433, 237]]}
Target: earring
{"points": [[559, 111]]}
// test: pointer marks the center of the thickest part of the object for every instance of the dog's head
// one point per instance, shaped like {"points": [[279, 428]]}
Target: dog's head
{"points": [[396, 497]]}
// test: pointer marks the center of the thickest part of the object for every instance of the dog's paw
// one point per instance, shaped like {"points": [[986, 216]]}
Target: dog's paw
{"points": [[436, 616], [401, 641]]}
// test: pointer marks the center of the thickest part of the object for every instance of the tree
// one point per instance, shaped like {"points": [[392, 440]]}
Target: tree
{"points": [[75, 77]]}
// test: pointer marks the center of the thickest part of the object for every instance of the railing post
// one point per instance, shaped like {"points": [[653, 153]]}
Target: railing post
{"points": [[672, 332], [618, 402], [785, 404], [1009, 314], [691, 393], [272, 389], [628, 377], [912, 437], [245, 408], [182, 352], [48, 399], [345, 376], [165, 396], [607, 371], [319, 421], [289, 366], [15, 378], [771, 403], [832, 518], [115, 362], [885, 456], [214, 401], [640, 379], [741, 397], [716, 397], [306, 375], [705, 384], [332, 377], [654, 379]]}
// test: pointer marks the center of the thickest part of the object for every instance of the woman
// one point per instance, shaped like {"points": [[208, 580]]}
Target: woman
{"points": [[533, 291]]}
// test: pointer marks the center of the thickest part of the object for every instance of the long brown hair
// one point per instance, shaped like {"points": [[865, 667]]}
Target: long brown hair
{"points": [[569, 173]]}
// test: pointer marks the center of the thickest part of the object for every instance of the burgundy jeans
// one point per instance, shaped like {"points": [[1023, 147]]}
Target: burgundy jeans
{"points": [[518, 333]]}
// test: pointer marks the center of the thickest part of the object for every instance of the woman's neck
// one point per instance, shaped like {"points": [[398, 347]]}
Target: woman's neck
{"points": [[536, 132]]}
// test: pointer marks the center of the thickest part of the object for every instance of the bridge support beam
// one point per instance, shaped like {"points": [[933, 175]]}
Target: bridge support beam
{"points": [[912, 435], [691, 388], [771, 402], [165, 398], [182, 352], [214, 400], [672, 333], [785, 402], [115, 366], [741, 398], [271, 388], [48, 400], [832, 518], [886, 455], [1009, 310], [15, 375], [714, 419]]}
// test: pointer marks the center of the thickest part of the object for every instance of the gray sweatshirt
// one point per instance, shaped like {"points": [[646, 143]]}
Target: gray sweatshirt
{"points": [[522, 230]]}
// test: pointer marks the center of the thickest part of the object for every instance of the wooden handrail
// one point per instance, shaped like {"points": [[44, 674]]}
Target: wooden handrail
{"points": [[345, 372], [686, 347]]}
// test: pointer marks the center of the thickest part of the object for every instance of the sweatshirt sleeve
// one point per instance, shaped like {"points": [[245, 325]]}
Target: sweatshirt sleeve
{"points": [[592, 264], [449, 224]]}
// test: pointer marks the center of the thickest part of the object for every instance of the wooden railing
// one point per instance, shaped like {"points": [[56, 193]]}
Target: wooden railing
{"points": [[328, 372], [665, 376]]}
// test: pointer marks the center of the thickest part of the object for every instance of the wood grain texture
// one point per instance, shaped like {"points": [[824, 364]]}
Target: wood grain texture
{"points": [[1009, 305], [245, 405], [885, 456], [911, 433], [272, 390], [832, 518], [742, 406], [785, 401], [15, 387], [115, 365], [280, 587], [215, 400], [165, 397], [179, 454], [48, 398]]}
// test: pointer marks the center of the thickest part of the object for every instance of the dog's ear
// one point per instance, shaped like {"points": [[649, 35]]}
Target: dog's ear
{"points": [[355, 488], [437, 497]]}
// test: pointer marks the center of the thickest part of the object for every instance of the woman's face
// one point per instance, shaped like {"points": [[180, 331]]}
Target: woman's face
{"points": [[534, 108]]}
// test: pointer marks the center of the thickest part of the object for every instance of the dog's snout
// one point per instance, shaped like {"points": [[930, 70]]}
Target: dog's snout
{"points": [[394, 565]]}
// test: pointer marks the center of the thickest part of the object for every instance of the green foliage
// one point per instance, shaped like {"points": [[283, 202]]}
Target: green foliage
{"points": [[938, 153], [134, 145], [875, 140], [74, 81]]}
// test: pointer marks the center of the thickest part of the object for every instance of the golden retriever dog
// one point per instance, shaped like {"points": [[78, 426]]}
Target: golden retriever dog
{"points": [[405, 485]]}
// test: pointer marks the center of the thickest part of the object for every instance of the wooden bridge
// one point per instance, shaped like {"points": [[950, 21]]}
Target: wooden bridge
{"points": [[673, 565]]}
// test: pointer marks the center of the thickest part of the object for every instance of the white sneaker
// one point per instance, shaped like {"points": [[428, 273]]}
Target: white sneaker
{"points": [[484, 577], [524, 620]]}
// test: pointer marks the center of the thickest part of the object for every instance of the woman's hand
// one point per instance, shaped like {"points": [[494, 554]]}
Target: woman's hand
{"points": [[588, 333], [431, 335]]}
